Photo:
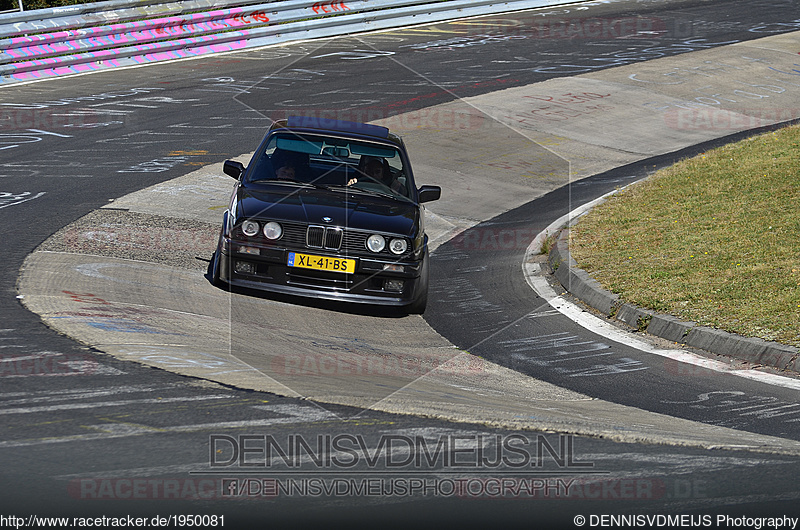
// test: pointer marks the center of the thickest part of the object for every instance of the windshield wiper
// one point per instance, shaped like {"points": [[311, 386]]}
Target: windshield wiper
{"points": [[292, 181], [368, 192]]}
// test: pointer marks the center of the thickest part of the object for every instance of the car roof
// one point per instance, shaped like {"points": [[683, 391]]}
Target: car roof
{"points": [[350, 128]]}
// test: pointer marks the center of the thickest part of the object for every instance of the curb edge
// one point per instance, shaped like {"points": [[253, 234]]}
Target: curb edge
{"points": [[578, 283]]}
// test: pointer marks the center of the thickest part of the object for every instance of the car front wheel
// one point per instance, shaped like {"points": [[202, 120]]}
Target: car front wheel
{"points": [[417, 307]]}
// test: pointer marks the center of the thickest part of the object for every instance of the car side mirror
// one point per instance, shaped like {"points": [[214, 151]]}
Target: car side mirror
{"points": [[429, 193], [233, 168]]}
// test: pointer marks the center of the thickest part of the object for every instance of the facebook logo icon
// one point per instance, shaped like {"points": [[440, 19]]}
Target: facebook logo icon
{"points": [[230, 487]]}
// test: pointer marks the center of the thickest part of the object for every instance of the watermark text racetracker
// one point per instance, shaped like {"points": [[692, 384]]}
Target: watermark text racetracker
{"points": [[351, 362], [48, 364], [720, 119], [460, 118], [387, 484], [104, 521]]}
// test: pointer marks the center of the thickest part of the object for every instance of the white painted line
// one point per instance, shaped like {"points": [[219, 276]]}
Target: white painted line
{"points": [[23, 200], [251, 424], [75, 406], [537, 282], [77, 393], [291, 414], [41, 355]]}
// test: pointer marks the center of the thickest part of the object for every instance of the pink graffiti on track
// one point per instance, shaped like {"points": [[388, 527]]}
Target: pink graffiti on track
{"points": [[132, 33], [46, 68]]}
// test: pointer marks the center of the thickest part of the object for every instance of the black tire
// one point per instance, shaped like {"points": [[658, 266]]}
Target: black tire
{"points": [[216, 258], [214, 273], [417, 307]]}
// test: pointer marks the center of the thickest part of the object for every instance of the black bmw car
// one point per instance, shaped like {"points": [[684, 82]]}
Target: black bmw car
{"points": [[327, 209]]}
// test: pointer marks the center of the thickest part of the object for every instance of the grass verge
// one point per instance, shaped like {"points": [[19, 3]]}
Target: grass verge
{"points": [[714, 239]]}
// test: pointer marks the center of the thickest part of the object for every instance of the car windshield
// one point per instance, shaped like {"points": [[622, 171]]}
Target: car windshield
{"points": [[334, 163]]}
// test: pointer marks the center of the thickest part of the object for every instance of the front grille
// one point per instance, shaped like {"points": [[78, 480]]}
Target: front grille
{"points": [[315, 236], [327, 237], [335, 238]]}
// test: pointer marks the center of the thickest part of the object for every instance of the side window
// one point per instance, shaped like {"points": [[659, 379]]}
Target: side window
{"points": [[271, 146], [396, 164], [398, 173], [263, 169]]}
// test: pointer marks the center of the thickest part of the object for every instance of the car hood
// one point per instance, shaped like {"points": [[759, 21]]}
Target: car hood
{"points": [[313, 206]]}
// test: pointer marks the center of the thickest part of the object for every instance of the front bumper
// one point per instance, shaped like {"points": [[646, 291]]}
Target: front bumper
{"points": [[375, 281]]}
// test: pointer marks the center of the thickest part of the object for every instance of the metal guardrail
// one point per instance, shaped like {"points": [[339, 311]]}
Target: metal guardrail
{"points": [[89, 37]]}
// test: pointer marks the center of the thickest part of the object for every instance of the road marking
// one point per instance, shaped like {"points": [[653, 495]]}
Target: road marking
{"points": [[46, 363], [99, 404], [290, 413], [9, 199], [81, 393]]}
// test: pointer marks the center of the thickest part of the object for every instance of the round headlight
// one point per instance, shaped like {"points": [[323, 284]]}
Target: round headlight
{"points": [[398, 246], [376, 243], [273, 230], [250, 228]]}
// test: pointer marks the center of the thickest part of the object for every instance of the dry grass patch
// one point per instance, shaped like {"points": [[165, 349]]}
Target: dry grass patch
{"points": [[714, 239]]}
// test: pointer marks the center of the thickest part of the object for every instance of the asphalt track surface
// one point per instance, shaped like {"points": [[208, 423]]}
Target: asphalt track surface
{"points": [[507, 322], [148, 135]]}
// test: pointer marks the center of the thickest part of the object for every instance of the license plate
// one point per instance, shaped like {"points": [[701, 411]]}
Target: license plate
{"points": [[321, 263]]}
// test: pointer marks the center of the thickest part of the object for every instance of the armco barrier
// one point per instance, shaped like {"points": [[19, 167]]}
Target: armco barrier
{"points": [[89, 37]]}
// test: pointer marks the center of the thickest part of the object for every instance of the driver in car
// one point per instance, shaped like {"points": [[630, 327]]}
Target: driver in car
{"points": [[376, 169]]}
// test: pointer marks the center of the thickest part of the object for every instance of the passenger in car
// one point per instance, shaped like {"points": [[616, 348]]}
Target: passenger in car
{"points": [[286, 171], [289, 165]]}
